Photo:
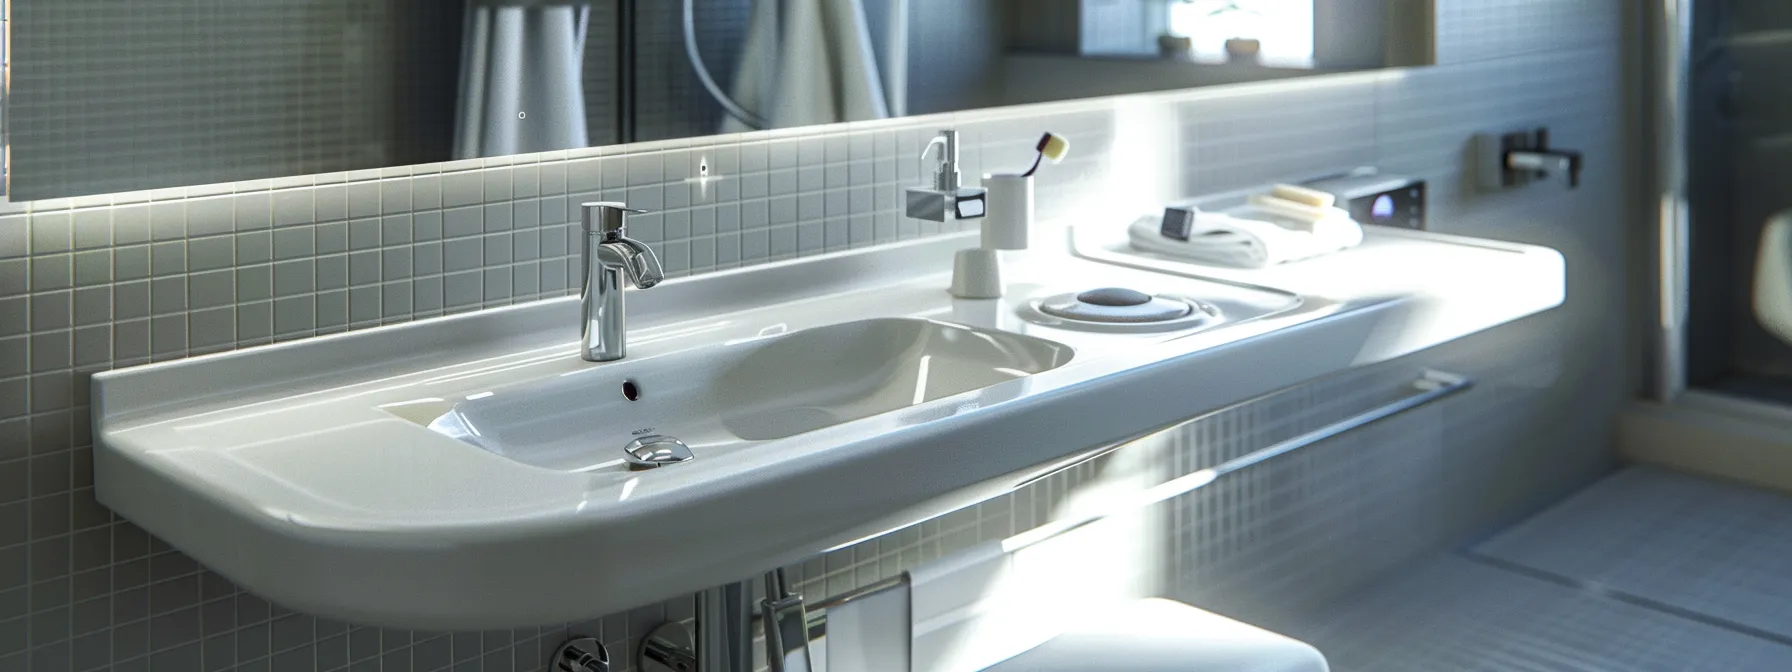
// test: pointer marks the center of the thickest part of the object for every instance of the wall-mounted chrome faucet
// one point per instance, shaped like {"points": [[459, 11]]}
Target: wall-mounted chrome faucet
{"points": [[1535, 155], [607, 257], [946, 198], [1515, 159]]}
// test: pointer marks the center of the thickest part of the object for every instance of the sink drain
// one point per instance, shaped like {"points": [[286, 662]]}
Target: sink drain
{"points": [[1115, 305], [652, 451], [1116, 309]]}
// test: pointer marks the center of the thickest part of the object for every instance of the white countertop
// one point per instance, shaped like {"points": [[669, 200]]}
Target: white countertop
{"points": [[277, 466]]}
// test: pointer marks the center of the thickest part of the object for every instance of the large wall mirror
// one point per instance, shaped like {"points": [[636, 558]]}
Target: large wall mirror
{"points": [[108, 96]]}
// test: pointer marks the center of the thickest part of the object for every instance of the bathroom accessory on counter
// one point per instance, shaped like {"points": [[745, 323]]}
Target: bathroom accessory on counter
{"points": [[1115, 304], [1050, 146], [1268, 229], [946, 198], [1376, 198], [1121, 310], [608, 256], [977, 271], [1303, 195]]}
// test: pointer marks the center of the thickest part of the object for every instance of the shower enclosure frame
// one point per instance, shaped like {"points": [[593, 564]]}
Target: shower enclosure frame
{"points": [[1669, 28]]}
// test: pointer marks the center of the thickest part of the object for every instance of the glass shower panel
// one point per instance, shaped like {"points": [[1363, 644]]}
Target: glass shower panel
{"points": [[1740, 194]]}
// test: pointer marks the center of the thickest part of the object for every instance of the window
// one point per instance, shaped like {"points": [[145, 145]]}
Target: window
{"points": [[1284, 27]]}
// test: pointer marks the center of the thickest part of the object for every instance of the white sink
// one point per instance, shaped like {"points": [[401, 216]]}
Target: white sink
{"points": [[825, 400], [722, 396]]}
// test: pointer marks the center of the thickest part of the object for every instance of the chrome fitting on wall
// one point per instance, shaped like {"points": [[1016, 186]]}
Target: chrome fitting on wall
{"points": [[1515, 159], [669, 648], [580, 654]]}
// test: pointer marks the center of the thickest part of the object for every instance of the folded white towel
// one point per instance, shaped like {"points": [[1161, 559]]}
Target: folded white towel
{"points": [[1250, 236]]}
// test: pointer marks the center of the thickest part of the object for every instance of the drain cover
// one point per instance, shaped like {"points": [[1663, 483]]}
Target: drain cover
{"points": [[1117, 297], [654, 450], [1115, 306]]}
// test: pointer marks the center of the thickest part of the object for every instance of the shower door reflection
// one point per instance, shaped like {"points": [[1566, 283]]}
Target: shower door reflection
{"points": [[1740, 156]]}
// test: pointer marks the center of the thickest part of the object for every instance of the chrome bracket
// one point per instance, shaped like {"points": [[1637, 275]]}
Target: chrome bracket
{"points": [[669, 648], [786, 626], [580, 654]]}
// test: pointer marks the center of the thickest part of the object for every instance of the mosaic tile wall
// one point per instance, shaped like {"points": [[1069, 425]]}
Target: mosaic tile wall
{"points": [[92, 283], [102, 91]]}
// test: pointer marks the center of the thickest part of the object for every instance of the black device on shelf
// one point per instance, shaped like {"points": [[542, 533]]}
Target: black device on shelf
{"points": [[1388, 200]]}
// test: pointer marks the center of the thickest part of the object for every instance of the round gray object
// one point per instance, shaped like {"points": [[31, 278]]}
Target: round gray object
{"points": [[1154, 309], [1114, 297]]}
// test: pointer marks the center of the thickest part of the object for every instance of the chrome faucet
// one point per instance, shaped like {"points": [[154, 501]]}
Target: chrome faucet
{"points": [[607, 256]]}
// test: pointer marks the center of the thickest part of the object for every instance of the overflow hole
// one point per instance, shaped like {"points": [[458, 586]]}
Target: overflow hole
{"points": [[630, 390]]}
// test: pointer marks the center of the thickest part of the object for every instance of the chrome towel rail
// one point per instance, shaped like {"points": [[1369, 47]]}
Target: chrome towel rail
{"points": [[1430, 386]]}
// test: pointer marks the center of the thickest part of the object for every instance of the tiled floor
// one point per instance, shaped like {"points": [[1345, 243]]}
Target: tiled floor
{"points": [[1718, 550], [1646, 570]]}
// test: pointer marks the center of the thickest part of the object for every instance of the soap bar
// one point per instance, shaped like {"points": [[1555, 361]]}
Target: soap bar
{"points": [[1303, 195], [1301, 215]]}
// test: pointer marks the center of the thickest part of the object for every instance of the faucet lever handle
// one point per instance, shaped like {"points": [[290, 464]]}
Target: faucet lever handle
{"points": [[606, 216]]}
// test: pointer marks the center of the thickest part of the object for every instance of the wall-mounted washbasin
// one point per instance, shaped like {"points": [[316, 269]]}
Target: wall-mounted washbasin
{"points": [[469, 472], [756, 389]]}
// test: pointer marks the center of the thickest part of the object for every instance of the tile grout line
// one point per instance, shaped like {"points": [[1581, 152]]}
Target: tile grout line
{"points": [[1601, 591]]}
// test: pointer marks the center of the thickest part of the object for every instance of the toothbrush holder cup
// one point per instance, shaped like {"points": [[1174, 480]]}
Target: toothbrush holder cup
{"points": [[1010, 220], [977, 271]]}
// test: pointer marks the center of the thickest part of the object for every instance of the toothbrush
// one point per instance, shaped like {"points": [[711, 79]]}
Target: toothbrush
{"points": [[1050, 146]]}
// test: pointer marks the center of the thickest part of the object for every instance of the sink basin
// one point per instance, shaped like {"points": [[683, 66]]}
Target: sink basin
{"points": [[379, 476], [757, 389]]}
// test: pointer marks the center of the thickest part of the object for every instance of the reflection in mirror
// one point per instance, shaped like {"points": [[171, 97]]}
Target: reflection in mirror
{"points": [[193, 92]]}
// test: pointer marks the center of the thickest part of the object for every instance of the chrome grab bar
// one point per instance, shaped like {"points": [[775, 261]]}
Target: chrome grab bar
{"points": [[1430, 386]]}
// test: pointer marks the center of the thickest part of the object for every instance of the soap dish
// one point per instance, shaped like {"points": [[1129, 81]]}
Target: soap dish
{"points": [[1119, 310]]}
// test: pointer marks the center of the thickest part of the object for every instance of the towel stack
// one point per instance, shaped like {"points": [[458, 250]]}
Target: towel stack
{"points": [[1285, 224]]}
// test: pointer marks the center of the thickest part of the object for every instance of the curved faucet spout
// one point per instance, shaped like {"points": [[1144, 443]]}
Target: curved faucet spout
{"points": [[636, 259]]}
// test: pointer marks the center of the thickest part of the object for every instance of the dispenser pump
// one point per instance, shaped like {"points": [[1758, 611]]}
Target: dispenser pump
{"points": [[945, 199], [945, 172]]}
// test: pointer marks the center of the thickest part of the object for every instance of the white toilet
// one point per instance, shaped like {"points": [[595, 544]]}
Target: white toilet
{"points": [[976, 611], [1155, 634]]}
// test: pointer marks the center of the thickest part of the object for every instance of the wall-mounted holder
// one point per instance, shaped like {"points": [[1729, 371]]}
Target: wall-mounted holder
{"points": [[1515, 159], [944, 199]]}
